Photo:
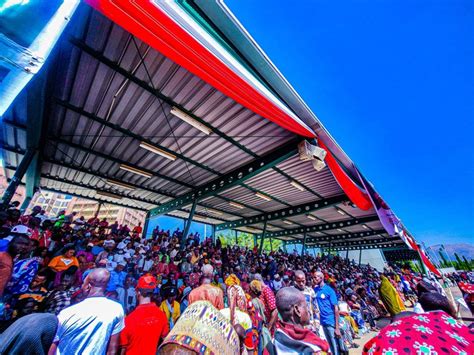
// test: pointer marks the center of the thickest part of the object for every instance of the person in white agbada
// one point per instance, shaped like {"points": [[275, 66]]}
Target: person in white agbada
{"points": [[92, 326]]}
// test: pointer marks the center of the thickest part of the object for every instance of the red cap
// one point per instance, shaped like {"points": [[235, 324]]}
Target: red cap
{"points": [[147, 282]]}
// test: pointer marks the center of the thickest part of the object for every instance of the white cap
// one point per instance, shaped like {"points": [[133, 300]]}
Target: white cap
{"points": [[21, 229]]}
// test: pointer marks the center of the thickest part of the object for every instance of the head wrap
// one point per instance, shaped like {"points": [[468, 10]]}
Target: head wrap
{"points": [[232, 280], [256, 286]]}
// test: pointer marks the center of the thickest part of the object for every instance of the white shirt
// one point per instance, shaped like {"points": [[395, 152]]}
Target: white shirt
{"points": [[86, 327]]}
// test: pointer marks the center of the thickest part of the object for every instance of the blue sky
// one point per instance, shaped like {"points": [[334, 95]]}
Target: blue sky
{"points": [[393, 81]]}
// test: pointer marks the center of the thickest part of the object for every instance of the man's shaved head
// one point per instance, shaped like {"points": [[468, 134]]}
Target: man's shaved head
{"points": [[291, 305], [96, 282]]}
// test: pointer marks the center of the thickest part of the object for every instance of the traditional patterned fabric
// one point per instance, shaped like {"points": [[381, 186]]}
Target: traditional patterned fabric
{"points": [[429, 333], [236, 293], [269, 302], [203, 329], [24, 271], [290, 339], [209, 293]]}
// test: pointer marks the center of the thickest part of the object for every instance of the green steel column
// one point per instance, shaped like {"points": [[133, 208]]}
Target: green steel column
{"points": [[213, 234], [304, 244], [235, 235], [16, 179], [262, 238], [145, 225], [188, 224]]}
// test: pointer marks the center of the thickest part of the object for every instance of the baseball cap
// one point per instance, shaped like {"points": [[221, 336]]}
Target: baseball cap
{"points": [[147, 282], [21, 229]]}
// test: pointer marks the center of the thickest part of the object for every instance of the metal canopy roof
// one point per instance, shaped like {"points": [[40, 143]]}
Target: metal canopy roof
{"points": [[104, 92]]}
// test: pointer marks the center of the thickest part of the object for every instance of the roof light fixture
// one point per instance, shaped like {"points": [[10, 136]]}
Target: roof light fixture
{"points": [[287, 222], [311, 217], [263, 196], [189, 120], [120, 184], [297, 185], [236, 205], [156, 150], [131, 169], [340, 211], [210, 210], [108, 194], [340, 230], [365, 227]]}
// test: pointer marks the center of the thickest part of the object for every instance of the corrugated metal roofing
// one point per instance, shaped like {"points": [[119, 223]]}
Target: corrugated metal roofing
{"points": [[94, 87]]}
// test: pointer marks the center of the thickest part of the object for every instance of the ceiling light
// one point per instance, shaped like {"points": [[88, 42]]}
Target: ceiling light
{"points": [[135, 170], [237, 205], [120, 184], [340, 230], [210, 210], [287, 222], [297, 185], [311, 217], [156, 150], [365, 227], [108, 194], [189, 120], [340, 211], [262, 196]]}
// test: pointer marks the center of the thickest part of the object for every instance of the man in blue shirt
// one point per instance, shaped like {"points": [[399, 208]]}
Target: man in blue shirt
{"points": [[329, 311]]}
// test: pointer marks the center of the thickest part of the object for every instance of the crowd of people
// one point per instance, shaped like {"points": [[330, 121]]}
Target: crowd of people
{"points": [[93, 288]]}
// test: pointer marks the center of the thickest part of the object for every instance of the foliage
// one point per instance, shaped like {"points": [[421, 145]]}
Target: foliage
{"points": [[228, 238]]}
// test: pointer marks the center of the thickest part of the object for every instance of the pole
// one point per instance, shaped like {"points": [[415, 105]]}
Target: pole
{"points": [[360, 255], [145, 225], [16, 179], [213, 234], [304, 245], [188, 225], [262, 238], [99, 206], [347, 254], [236, 239]]}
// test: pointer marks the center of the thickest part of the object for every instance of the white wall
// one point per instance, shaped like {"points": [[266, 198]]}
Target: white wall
{"points": [[374, 257]]}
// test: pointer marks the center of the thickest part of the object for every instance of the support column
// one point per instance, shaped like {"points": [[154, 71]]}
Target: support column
{"points": [[304, 244], [255, 241], [347, 254], [271, 244], [99, 206], [16, 179], [213, 234], [235, 235], [360, 255], [145, 225], [188, 225], [262, 238]]}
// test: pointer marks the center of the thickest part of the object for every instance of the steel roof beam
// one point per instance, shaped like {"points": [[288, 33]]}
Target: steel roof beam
{"points": [[284, 213], [339, 237], [131, 134], [146, 86], [140, 187], [120, 161], [75, 194], [323, 227], [232, 178], [358, 242], [118, 193], [374, 244]]}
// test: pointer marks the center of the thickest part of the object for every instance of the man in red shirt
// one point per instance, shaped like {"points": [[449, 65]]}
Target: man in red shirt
{"points": [[147, 325]]}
